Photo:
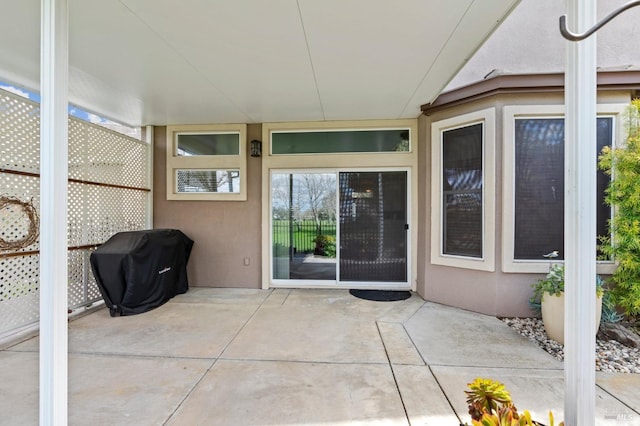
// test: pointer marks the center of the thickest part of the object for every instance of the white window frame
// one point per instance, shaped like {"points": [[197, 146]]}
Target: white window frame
{"points": [[177, 162], [337, 283], [486, 117], [408, 128], [340, 161], [510, 114]]}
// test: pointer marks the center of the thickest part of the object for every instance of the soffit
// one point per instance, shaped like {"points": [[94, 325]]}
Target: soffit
{"points": [[195, 61]]}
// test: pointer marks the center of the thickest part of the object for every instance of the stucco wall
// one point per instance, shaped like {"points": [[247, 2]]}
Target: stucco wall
{"points": [[529, 41], [493, 293], [225, 232]]}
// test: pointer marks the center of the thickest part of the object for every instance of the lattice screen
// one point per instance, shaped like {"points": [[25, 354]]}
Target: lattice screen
{"points": [[19, 133], [101, 155], [109, 174], [18, 291]]}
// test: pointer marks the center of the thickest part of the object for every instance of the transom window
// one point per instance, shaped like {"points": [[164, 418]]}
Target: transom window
{"points": [[189, 144], [340, 141], [206, 162]]}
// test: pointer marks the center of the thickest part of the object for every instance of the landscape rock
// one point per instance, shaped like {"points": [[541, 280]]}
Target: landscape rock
{"points": [[611, 354], [619, 333]]}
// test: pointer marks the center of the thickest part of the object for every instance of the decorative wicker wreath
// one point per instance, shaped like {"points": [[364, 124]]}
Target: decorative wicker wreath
{"points": [[34, 222]]}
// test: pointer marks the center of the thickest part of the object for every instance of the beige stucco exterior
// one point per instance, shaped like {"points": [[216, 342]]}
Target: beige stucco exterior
{"points": [[528, 41], [494, 293], [226, 233]]}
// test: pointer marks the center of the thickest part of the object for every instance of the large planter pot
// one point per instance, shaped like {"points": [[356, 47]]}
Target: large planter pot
{"points": [[553, 315]]}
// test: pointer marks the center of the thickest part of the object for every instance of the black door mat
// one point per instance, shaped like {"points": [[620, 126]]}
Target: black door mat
{"points": [[381, 295]]}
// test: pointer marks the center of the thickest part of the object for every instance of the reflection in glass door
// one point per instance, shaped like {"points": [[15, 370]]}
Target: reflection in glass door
{"points": [[337, 228], [303, 222]]}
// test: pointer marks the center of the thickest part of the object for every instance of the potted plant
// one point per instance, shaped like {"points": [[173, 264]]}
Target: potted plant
{"points": [[548, 295]]}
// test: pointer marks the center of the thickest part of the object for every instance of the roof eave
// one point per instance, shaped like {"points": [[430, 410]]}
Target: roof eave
{"points": [[527, 83]]}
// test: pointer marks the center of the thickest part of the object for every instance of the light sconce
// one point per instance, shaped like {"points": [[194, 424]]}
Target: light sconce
{"points": [[256, 148]]}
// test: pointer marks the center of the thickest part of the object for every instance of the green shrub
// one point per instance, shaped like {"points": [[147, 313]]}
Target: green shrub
{"points": [[325, 245], [623, 193], [609, 311]]}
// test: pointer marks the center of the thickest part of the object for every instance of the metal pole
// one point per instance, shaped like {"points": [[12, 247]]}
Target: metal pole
{"points": [[580, 219], [53, 212], [380, 218], [291, 234]]}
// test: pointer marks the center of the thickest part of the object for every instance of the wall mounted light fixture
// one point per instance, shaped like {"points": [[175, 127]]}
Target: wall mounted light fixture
{"points": [[256, 148]]}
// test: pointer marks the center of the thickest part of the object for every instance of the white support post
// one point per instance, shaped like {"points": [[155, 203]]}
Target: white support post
{"points": [[53, 212], [580, 218]]}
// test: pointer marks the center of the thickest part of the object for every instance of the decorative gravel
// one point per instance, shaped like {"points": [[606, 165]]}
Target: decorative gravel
{"points": [[610, 355]]}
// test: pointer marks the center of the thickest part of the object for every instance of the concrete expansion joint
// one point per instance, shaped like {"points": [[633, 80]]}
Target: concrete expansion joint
{"points": [[621, 401], [495, 367], [300, 361]]}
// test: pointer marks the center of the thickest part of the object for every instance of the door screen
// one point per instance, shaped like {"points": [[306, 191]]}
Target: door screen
{"points": [[373, 226]]}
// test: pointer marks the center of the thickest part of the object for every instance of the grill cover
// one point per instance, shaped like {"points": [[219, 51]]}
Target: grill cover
{"points": [[140, 270]]}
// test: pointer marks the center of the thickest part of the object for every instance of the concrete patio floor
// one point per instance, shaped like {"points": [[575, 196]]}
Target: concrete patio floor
{"points": [[295, 357]]}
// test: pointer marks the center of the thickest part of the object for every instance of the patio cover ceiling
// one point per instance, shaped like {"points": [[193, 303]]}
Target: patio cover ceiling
{"points": [[213, 61]]}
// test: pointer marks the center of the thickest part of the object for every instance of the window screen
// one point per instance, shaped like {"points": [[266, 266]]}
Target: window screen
{"points": [[373, 226], [462, 180], [204, 181], [539, 186]]}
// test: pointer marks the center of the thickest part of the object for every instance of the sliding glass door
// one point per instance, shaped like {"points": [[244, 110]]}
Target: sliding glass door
{"points": [[339, 228], [373, 226], [303, 223]]}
